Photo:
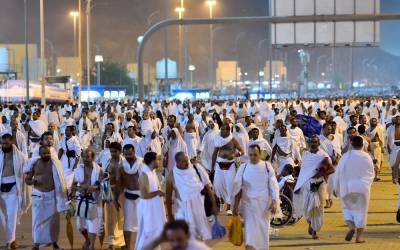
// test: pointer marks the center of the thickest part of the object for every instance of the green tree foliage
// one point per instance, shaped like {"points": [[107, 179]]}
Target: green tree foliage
{"points": [[111, 74]]}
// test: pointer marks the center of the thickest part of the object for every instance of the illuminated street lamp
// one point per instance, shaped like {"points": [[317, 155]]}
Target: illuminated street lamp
{"points": [[98, 59], [260, 76], [191, 69], [74, 14], [180, 10]]}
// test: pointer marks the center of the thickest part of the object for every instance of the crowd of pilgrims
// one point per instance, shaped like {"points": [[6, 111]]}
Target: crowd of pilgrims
{"points": [[208, 148]]}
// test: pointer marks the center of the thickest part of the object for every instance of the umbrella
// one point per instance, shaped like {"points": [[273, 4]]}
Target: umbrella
{"points": [[70, 230], [102, 234]]}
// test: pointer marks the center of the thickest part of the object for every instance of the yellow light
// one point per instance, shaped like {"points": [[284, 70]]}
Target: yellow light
{"points": [[180, 9], [73, 13], [211, 2]]}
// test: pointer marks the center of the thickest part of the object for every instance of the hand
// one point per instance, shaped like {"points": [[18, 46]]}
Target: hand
{"points": [[161, 193], [215, 210], [274, 207], [231, 157], [117, 205], [235, 211]]}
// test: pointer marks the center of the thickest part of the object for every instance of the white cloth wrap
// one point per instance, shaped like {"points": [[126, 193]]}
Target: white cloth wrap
{"points": [[73, 144], [150, 213], [224, 179], [192, 143]]}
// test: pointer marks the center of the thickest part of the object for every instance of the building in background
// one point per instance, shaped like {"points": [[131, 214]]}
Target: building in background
{"points": [[68, 66]]}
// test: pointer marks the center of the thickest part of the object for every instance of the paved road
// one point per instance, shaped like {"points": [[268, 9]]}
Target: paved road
{"points": [[382, 232]]}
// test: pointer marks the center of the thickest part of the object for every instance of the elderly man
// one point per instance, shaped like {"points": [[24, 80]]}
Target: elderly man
{"points": [[19, 139], [311, 185], [36, 129], [85, 183], [256, 185], [56, 136], [352, 184], [14, 196], [189, 183], [49, 196], [128, 184]]}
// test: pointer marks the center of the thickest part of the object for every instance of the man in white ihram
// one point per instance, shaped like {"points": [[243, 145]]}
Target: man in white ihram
{"points": [[187, 181], [14, 195], [352, 184], [311, 185], [255, 184]]}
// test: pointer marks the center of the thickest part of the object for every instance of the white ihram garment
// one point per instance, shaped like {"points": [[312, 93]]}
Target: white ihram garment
{"points": [[192, 142], [21, 142], [207, 147], [352, 182], [130, 206], [176, 145], [259, 187], [47, 206], [16, 202], [312, 202], [243, 137], [92, 226], [190, 206], [69, 162], [289, 147], [150, 213]]}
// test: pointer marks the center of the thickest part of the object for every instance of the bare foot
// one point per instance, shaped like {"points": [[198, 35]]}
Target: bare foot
{"points": [[360, 240]]}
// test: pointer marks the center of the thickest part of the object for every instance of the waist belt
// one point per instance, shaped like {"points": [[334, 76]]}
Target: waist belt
{"points": [[34, 139], [397, 143], [6, 187], [130, 196], [225, 165], [315, 186]]}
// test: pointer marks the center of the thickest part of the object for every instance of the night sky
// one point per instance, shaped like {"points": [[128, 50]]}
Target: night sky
{"points": [[117, 25]]}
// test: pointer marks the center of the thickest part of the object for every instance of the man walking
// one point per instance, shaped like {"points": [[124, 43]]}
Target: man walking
{"points": [[352, 184]]}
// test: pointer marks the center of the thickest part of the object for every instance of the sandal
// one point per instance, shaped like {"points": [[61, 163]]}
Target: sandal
{"points": [[349, 235]]}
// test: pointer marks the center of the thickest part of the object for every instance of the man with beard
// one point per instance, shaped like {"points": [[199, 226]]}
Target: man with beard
{"points": [[128, 184], [351, 133], [375, 133], [113, 219], [188, 181], [255, 139], [85, 183], [331, 145], [35, 130], [312, 186], [127, 123], [192, 136], [227, 148], [132, 138], [297, 134], [56, 136], [69, 154], [19, 139], [150, 211], [110, 133], [49, 197], [14, 195], [46, 140], [285, 149]]}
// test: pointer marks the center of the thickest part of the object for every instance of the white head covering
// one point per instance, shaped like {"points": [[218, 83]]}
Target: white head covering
{"points": [[178, 142]]}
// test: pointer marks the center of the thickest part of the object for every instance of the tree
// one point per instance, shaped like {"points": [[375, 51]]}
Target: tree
{"points": [[111, 74]]}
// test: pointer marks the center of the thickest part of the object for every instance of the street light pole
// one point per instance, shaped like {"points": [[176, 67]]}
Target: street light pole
{"points": [[317, 75], [26, 58], [52, 56], [211, 64], [236, 59], [74, 14], [149, 20], [80, 73], [42, 50], [180, 10], [210, 75], [88, 46]]}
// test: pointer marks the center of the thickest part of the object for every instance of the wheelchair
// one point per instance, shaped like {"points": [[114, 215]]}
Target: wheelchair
{"points": [[286, 197]]}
